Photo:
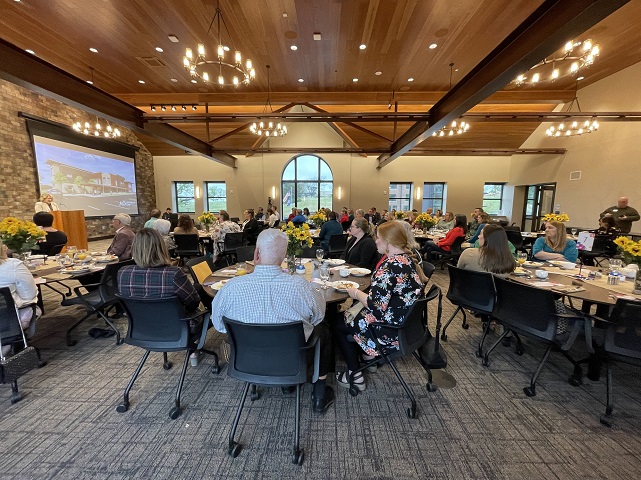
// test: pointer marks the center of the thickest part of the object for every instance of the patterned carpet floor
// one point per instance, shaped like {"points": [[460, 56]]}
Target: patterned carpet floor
{"points": [[483, 428]]}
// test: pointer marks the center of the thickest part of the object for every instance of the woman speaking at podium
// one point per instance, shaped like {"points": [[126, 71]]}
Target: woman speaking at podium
{"points": [[46, 203]]}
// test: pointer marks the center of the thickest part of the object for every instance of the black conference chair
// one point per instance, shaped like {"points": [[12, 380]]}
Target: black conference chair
{"points": [[11, 334], [337, 244], [600, 251], [233, 241], [161, 325], [531, 312], [273, 355], [308, 252], [99, 299], [200, 268], [245, 254], [516, 239], [346, 225], [473, 291], [622, 343], [451, 257], [187, 246], [412, 334]]}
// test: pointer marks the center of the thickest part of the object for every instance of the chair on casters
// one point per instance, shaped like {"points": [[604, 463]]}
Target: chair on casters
{"points": [[531, 312], [11, 334], [273, 355], [245, 254], [161, 325], [233, 240], [187, 246], [472, 291], [99, 300], [451, 256], [622, 343], [412, 334], [337, 244]]}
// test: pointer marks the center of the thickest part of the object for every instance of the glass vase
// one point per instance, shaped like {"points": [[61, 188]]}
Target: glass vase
{"points": [[637, 283], [291, 263]]}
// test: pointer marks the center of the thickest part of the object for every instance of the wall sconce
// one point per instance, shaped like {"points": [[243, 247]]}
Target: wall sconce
{"points": [[273, 192], [340, 193], [418, 193], [197, 191]]}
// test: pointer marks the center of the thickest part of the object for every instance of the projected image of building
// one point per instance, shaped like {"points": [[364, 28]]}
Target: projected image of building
{"points": [[73, 180]]}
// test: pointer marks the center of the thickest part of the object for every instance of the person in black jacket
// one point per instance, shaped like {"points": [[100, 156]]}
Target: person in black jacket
{"points": [[53, 237], [251, 228], [361, 247]]}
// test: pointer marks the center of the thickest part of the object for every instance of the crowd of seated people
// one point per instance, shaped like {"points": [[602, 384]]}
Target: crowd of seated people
{"points": [[444, 245]]}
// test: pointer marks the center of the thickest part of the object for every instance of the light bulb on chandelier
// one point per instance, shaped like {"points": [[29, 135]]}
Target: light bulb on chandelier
{"points": [[573, 128], [96, 129], [457, 127], [195, 64], [268, 129]]}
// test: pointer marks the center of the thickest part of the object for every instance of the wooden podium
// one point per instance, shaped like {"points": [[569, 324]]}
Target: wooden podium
{"points": [[72, 222]]}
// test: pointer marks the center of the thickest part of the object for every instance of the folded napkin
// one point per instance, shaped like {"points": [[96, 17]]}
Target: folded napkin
{"points": [[209, 283], [226, 273]]}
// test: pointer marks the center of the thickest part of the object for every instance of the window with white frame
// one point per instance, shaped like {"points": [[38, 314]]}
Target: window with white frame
{"points": [[493, 198], [433, 196], [185, 197], [307, 182], [215, 196], [400, 196]]}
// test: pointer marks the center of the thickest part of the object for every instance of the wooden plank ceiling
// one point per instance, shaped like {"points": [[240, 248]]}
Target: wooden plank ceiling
{"points": [[397, 35]]}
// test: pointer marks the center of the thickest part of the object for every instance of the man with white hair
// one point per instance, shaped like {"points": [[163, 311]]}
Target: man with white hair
{"points": [[623, 214], [121, 244], [284, 298]]}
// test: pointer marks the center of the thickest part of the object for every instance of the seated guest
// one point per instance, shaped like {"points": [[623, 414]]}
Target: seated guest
{"points": [[185, 225], [15, 275], [493, 254], [446, 222], [260, 216], [396, 285], [163, 227], [329, 228], [223, 227], [444, 245], [482, 219], [271, 218], [53, 237], [292, 215], [276, 212], [439, 214], [306, 213], [251, 229], [299, 219], [350, 215], [167, 214], [412, 218], [121, 244], [155, 215], [46, 204], [555, 244], [361, 248], [607, 226], [344, 217], [474, 224], [284, 298], [385, 217]]}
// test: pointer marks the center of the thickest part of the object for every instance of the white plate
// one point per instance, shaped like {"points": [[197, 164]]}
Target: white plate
{"points": [[343, 285], [74, 270], [219, 285], [529, 264], [334, 262], [520, 272], [360, 272], [105, 258]]}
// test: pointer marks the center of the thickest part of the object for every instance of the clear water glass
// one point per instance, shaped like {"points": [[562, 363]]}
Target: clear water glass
{"points": [[615, 264], [574, 232], [324, 275], [320, 253]]}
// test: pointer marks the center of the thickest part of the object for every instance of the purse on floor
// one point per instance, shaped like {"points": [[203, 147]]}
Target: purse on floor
{"points": [[13, 367]]}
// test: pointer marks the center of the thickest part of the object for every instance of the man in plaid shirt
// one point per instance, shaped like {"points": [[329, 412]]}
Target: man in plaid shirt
{"points": [[271, 296]]}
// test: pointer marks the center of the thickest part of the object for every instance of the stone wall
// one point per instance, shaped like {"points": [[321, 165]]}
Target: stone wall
{"points": [[18, 174]]}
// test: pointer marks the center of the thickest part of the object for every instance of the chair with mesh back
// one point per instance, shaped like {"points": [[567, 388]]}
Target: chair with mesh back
{"points": [[516, 239], [273, 355], [309, 252], [187, 246], [470, 290], [162, 325], [531, 312], [452, 256], [337, 244], [11, 334], [245, 254], [233, 241], [599, 252], [622, 343], [99, 299]]}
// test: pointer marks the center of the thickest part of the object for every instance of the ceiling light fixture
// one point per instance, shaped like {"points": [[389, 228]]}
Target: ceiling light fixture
{"points": [[152, 108], [193, 107], [574, 128], [575, 56], [457, 127], [196, 65], [141, 82], [94, 50], [411, 79], [354, 80], [294, 47], [30, 51], [96, 130], [175, 80], [159, 50], [163, 108], [183, 108], [90, 82], [362, 46], [300, 80], [173, 38], [433, 46], [378, 73], [269, 129]]}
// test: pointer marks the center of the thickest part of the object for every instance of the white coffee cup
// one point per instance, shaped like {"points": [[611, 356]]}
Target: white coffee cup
{"points": [[629, 272], [542, 274], [344, 272]]}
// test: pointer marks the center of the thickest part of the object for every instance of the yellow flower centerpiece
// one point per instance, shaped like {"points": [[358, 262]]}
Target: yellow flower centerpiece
{"points": [[206, 219], [425, 221], [399, 215], [631, 252], [556, 217], [19, 235], [318, 218], [297, 238]]}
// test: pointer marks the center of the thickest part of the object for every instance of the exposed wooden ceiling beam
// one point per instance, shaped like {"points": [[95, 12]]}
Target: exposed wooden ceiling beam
{"points": [[346, 138], [541, 34], [416, 151]]}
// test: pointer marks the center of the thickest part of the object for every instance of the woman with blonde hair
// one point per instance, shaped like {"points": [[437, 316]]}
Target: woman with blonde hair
{"points": [[396, 285], [555, 245], [46, 204]]}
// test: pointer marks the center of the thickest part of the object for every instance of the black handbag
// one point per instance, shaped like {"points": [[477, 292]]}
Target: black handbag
{"points": [[13, 367]]}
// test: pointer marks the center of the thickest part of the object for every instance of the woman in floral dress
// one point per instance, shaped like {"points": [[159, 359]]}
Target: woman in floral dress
{"points": [[222, 228], [396, 285]]}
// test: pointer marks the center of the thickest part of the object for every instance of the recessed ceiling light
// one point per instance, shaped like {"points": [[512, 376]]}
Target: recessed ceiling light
{"points": [[141, 81], [378, 73], [94, 50], [411, 79], [363, 46], [174, 80], [193, 81], [317, 36], [580, 78], [173, 38], [284, 14], [30, 51], [300, 80], [226, 48], [433, 46], [354, 80], [158, 49], [294, 47], [456, 69], [89, 82]]}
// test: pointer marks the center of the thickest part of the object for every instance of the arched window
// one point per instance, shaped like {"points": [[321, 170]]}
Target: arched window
{"points": [[307, 182]]}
